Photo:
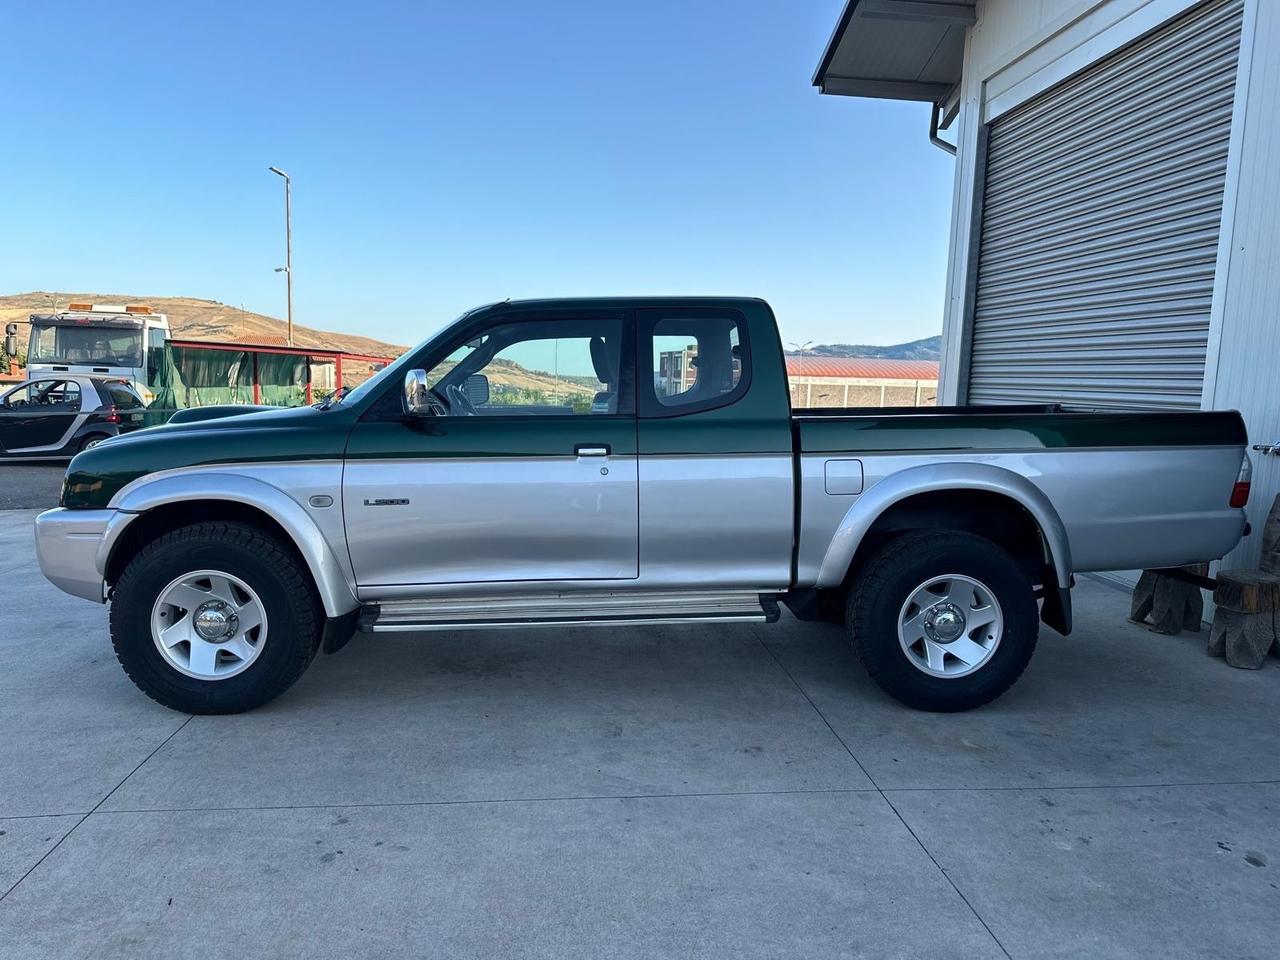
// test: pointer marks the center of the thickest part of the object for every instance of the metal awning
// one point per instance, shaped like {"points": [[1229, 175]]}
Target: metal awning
{"points": [[896, 49]]}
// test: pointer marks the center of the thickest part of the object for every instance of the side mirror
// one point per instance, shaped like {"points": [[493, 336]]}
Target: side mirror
{"points": [[11, 340], [416, 396], [476, 388]]}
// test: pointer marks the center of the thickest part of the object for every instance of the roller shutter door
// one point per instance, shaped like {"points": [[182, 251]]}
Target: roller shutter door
{"points": [[1099, 231]]}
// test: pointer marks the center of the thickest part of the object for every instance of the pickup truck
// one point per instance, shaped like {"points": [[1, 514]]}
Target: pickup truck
{"points": [[623, 461]]}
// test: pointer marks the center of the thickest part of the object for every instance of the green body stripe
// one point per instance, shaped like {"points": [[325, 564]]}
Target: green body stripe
{"points": [[473, 437], [1017, 431]]}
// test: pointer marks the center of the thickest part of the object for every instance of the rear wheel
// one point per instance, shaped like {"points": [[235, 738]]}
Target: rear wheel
{"points": [[943, 620], [215, 618], [93, 440]]}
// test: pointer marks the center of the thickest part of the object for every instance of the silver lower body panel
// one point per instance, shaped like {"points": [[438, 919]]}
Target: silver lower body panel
{"points": [[576, 609], [67, 544]]}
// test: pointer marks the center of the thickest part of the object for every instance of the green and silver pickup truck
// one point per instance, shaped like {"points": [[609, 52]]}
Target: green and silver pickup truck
{"points": [[623, 461]]}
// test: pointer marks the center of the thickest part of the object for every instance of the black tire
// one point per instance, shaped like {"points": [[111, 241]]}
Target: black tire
{"points": [[90, 440], [884, 586], [274, 572]]}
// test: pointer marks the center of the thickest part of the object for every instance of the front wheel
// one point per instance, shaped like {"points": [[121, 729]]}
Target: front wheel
{"points": [[943, 620], [215, 618]]}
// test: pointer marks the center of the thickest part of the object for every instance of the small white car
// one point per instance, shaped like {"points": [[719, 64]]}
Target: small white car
{"points": [[56, 416]]}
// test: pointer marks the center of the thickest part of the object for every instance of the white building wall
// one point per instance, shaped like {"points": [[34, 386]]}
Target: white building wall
{"points": [[1245, 373], [1017, 49]]}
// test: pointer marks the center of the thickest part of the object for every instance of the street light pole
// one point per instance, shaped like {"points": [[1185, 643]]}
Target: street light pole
{"points": [[288, 247], [800, 350]]}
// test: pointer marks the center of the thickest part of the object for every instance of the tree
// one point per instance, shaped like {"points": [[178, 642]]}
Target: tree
{"points": [[7, 363]]}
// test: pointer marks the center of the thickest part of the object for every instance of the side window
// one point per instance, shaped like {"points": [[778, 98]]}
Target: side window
{"points": [[64, 395], [534, 368], [19, 398], [699, 362], [155, 353]]}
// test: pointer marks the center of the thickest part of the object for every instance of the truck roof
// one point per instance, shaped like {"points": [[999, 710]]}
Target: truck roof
{"points": [[89, 318], [623, 303]]}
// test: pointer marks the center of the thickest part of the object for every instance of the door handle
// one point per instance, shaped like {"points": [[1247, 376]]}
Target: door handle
{"points": [[591, 450], [1265, 448]]}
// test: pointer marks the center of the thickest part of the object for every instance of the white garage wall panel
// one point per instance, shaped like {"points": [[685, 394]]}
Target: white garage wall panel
{"points": [[1249, 347], [1099, 228]]}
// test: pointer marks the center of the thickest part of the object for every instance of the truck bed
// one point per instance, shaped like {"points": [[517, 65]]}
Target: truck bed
{"points": [[1133, 489]]}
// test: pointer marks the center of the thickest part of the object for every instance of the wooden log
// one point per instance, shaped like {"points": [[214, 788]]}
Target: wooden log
{"points": [[1193, 612], [1143, 597], [1247, 591], [1223, 621], [1172, 604], [1244, 639]]}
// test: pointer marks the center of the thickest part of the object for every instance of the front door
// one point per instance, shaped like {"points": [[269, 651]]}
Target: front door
{"points": [[527, 471], [39, 417]]}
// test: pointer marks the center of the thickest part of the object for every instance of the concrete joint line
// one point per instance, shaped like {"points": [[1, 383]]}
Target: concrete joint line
{"points": [[110, 792], [927, 852]]}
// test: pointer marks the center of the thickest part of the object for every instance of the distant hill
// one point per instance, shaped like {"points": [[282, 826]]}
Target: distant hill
{"points": [[930, 348], [194, 319]]}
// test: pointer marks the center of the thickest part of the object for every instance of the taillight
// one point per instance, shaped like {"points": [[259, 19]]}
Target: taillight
{"points": [[1244, 479], [113, 415], [1239, 494]]}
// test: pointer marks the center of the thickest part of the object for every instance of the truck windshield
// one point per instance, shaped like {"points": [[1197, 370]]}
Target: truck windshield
{"points": [[103, 346], [380, 377]]}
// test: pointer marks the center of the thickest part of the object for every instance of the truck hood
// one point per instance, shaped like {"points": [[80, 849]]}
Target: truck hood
{"points": [[217, 412], [261, 436]]}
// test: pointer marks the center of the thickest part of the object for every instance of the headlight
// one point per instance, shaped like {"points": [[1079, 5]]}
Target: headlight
{"points": [[79, 493]]}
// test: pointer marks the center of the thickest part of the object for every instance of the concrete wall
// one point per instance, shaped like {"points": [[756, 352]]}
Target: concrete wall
{"points": [[1019, 48], [861, 392]]}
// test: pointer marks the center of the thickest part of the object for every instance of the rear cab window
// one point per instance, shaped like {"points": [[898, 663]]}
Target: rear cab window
{"points": [[700, 360]]}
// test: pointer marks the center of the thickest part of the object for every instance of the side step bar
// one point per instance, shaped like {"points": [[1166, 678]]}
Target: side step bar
{"points": [[567, 610]]}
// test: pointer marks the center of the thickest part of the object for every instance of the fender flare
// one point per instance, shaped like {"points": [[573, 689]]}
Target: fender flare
{"points": [[933, 477], [157, 490]]}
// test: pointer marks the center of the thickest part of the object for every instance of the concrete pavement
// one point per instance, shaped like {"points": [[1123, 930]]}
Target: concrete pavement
{"points": [[30, 485], [695, 792]]}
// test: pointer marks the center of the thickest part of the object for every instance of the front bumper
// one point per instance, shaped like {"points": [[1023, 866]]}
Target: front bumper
{"points": [[67, 546]]}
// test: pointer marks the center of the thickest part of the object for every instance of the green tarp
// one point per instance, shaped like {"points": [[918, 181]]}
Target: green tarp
{"points": [[164, 383], [201, 377], [283, 379], [213, 376]]}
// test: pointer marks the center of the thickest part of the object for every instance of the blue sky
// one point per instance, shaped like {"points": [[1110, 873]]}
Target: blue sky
{"points": [[446, 154]]}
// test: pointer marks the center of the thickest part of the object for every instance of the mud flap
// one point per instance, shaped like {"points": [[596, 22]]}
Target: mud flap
{"points": [[1055, 610], [338, 631]]}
